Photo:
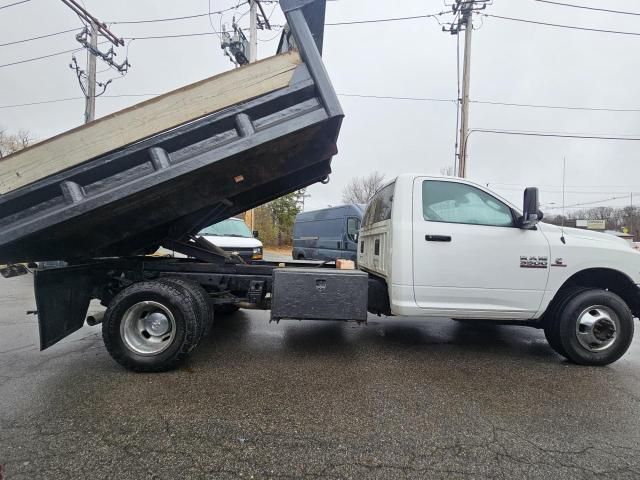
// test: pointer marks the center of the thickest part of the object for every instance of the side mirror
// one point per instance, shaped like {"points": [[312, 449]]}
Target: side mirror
{"points": [[255, 234], [530, 208]]}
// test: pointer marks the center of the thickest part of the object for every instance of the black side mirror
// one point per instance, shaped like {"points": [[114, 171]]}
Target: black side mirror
{"points": [[255, 233], [530, 208]]}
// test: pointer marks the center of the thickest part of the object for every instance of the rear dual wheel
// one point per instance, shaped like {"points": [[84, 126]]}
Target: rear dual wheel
{"points": [[590, 326], [152, 326]]}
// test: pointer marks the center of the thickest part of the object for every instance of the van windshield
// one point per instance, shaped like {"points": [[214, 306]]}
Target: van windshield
{"points": [[227, 228]]}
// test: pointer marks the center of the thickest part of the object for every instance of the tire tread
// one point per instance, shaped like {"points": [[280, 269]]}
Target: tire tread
{"points": [[112, 339]]}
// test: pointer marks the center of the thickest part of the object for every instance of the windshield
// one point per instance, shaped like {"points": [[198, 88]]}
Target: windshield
{"points": [[228, 228]]}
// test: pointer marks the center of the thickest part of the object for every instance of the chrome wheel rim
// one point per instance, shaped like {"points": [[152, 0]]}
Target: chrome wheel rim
{"points": [[148, 328], [597, 328]]}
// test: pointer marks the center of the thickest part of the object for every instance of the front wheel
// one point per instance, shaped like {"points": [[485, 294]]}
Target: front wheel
{"points": [[151, 326], [594, 327]]}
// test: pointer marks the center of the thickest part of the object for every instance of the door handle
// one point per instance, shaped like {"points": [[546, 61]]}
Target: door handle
{"points": [[437, 238]]}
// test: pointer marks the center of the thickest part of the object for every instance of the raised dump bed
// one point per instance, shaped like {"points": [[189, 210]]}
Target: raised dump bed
{"points": [[159, 171]]}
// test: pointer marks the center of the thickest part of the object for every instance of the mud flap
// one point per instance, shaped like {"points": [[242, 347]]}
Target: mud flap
{"points": [[62, 299]]}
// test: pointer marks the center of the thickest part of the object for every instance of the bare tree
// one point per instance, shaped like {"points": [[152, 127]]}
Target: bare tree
{"points": [[10, 143], [361, 189]]}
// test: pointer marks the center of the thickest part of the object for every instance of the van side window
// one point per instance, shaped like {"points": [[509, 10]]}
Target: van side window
{"points": [[454, 202], [353, 225], [380, 206]]}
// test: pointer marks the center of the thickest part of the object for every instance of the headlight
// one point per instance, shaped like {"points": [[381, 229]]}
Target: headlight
{"points": [[257, 254]]}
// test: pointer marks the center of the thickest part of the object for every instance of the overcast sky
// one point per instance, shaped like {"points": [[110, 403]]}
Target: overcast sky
{"points": [[511, 62]]}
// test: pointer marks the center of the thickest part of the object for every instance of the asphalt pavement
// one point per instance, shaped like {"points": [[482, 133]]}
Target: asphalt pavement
{"points": [[396, 398]]}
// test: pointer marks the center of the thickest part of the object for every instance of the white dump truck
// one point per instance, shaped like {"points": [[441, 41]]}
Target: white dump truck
{"points": [[97, 199]]}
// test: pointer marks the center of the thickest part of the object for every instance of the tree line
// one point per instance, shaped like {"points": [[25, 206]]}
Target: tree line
{"points": [[622, 219]]}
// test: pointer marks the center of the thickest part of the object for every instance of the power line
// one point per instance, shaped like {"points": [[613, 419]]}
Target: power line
{"points": [[547, 190], [582, 204], [556, 107], [170, 19], [68, 99], [588, 8], [156, 37], [417, 99], [116, 23], [150, 94], [155, 20], [179, 35], [89, 19], [381, 20], [586, 136], [384, 97], [505, 104], [33, 59], [627, 187], [39, 37], [559, 25], [13, 4]]}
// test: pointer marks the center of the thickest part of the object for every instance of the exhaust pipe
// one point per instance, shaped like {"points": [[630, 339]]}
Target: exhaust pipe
{"points": [[95, 319]]}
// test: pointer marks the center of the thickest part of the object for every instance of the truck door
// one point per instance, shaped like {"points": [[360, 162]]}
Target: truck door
{"points": [[468, 254]]}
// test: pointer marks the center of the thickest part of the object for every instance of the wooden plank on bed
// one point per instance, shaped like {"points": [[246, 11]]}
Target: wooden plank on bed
{"points": [[145, 119]]}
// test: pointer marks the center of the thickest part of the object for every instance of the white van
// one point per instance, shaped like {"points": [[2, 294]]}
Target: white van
{"points": [[233, 235]]}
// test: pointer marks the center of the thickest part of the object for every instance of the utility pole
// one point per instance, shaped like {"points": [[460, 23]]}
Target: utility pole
{"points": [[88, 38], [466, 82], [253, 56], [253, 31], [236, 46], [242, 51], [255, 22], [90, 99], [463, 11]]}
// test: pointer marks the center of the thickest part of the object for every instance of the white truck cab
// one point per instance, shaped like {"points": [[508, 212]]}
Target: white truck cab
{"points": [[447, 247]]}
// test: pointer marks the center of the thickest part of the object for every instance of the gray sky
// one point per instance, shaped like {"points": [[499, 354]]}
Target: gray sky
{"points": [[511, 62]]}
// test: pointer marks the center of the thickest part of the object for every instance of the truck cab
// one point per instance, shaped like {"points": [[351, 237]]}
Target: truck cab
{"points": [[447, 247]]}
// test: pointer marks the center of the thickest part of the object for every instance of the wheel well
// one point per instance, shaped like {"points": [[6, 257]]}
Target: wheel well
{"points": [[378, 296], [605, 278]]}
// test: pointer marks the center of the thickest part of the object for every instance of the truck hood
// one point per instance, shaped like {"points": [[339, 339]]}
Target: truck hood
{"points": [[604, 240], [229, 243]]}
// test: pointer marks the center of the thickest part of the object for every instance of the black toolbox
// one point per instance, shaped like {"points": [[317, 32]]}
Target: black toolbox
{"points": [[320, 294]]}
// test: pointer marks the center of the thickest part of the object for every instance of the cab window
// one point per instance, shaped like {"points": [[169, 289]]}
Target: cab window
{"points": [[379, 208], [453, 202]]}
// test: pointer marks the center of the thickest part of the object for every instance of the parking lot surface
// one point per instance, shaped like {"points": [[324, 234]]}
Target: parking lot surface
{"points": [[396, 398]]}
